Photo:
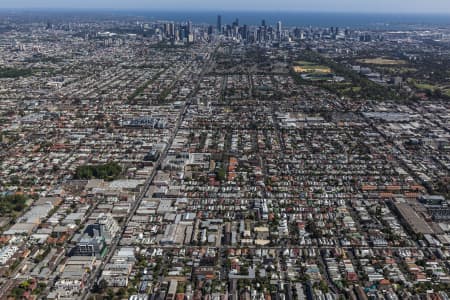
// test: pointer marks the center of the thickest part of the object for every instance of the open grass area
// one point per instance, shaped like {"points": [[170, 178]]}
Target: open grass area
{"points": [[445, 89], [425, 86], [381, 61], [354, 84], [422, 85], [310, 67], [354, 89]]}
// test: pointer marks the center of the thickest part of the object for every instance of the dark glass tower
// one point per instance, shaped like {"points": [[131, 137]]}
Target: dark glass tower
{"points": [[219, 24]]}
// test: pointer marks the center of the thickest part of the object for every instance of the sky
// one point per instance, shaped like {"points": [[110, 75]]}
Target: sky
{"points": [[373, 6]]}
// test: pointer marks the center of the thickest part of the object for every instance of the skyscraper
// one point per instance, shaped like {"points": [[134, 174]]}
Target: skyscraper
{"points": [[171, 30], [219, 24], [245, 32], [189, 27], [279, 30]]}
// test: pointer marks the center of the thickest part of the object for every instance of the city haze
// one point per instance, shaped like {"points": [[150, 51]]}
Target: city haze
{"points": [[381, 6], [224, 150]]}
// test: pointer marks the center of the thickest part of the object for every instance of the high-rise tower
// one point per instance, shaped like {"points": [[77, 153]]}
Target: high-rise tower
{"points": [[219, 24], [279, 30]]}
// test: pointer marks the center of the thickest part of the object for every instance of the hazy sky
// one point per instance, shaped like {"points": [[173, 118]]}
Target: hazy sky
{"points": [[406, 6]]}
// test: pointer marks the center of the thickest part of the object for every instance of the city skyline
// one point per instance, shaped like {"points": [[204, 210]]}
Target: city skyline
{"points": [[381, 6], [224, 155]]}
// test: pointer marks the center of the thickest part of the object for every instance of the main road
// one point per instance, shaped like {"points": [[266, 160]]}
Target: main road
{"points": [[95, 276]]}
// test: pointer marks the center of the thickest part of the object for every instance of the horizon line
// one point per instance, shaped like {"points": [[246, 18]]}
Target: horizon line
{"points": [[218, 11]]}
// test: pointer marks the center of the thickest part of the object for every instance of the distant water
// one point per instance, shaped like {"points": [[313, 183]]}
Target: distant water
{"points": [[300, 19], [303, 19]]}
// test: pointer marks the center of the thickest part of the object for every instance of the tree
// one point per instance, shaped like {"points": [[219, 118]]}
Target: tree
{"points": [[221, 174], [110, 293], [11, 204], [109, 171], [323, 286], [132, 290], [121, 292], [101, 286]]}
